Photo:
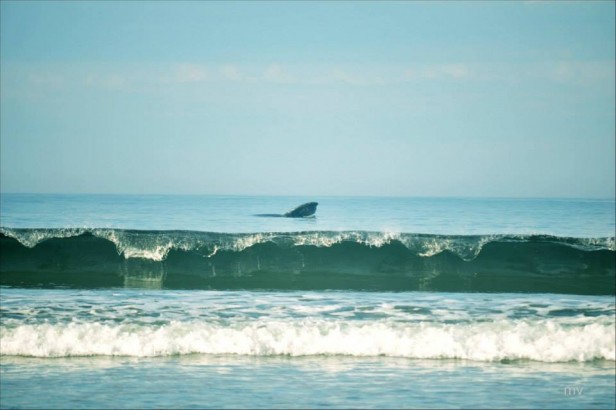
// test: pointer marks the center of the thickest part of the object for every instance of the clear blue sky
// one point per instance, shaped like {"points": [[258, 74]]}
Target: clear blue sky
{"points": [[509, 99]]}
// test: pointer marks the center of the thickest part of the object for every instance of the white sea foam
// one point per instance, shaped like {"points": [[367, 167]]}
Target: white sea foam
{"points": [[593, 243], [465, 247], [153, 246], [32, 237], [543, 340], [327, 239], [245, 241]]}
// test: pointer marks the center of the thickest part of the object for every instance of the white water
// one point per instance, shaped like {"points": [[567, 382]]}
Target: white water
{"points": [[482, 327], [539, 340]]}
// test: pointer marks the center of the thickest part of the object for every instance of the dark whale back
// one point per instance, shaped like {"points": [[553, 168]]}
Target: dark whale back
{"points": [[303, 210]]}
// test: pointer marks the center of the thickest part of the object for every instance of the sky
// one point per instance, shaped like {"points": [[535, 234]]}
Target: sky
{"points": [[488, 99]]}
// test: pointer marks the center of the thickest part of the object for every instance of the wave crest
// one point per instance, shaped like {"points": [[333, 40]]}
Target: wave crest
{"points": [[155, 245]]}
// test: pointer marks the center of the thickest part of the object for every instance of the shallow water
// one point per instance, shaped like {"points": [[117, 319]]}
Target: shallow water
{"points": [[199, 381]]}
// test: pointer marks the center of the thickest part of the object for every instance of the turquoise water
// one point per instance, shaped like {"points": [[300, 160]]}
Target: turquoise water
{"points": [[192, 301]]}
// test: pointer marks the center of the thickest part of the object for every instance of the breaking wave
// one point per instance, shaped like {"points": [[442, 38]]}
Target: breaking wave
{"points": [[360, 260]]}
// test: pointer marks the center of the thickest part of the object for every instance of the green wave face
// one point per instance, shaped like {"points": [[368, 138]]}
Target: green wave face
{"points": [[350, 260]]}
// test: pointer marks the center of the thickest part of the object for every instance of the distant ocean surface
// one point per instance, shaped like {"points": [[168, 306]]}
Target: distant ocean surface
{"points": [[143, 301]]}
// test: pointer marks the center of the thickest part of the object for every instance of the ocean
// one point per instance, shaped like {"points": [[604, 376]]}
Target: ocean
{"points": [[148, 301]]}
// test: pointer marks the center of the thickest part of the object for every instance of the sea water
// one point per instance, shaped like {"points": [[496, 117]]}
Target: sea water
{"points": [[193, 301]]}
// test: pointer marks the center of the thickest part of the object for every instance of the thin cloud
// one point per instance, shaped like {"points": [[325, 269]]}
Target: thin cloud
{"points": [[571, 72], [190, 73], [113, 81], [455, 71], [347, 77], [581, 72], [44, 79], [232, 72], [137, 77], [275, 73]]}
